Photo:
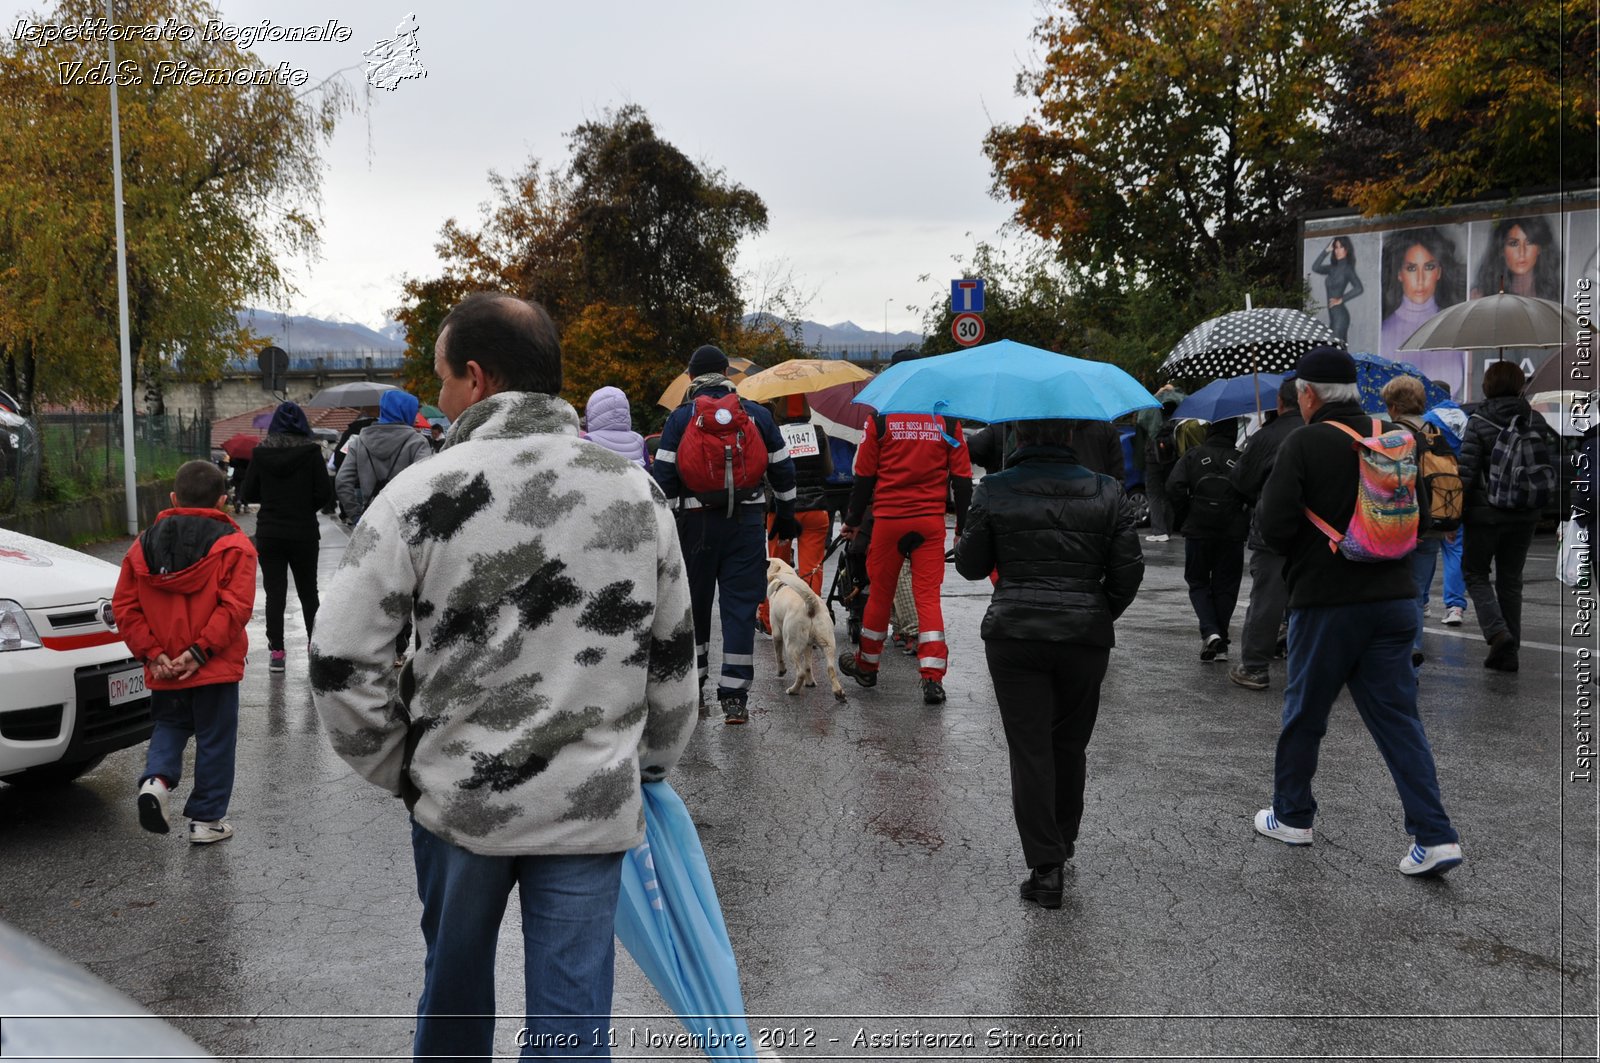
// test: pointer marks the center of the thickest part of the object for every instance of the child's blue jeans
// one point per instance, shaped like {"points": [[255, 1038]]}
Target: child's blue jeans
{"points": [[211, 714]]}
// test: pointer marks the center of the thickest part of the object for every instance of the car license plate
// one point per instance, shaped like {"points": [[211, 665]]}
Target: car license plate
{"points": [[126, 686]]}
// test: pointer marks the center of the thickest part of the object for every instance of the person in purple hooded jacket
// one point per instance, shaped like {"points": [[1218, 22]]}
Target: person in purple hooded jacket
{"points": [[608, 420]]}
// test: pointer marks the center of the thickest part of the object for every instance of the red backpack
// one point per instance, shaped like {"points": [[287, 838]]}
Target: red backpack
{"points": [[721, 450]]}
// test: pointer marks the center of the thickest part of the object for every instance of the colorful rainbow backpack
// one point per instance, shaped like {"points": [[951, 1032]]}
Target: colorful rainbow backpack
{"points": [[1384, 525]]}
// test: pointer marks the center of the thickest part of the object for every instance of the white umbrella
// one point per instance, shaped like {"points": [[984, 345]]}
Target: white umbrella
{"points": [[1496, 321], [354, 395]]}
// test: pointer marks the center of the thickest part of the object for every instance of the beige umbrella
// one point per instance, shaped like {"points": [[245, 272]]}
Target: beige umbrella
{"points": [[738, 369], [800, 376], [1496, 321]]}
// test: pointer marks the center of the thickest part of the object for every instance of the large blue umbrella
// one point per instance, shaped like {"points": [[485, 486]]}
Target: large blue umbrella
{"points": [[669, 920], [1007, 381], [1373, 372], [1236, 396]]}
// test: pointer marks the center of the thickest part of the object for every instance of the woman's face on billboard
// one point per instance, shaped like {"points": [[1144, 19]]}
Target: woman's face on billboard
{"points": [[1419, 274], [1521, 253]]}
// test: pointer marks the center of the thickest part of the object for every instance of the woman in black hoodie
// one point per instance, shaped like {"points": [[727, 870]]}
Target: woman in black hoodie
{"points": [[290, 480]]}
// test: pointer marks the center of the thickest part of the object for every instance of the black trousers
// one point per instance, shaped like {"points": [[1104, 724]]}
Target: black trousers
{"points": [[1049, 695], [1213, 569], [278, 558]]}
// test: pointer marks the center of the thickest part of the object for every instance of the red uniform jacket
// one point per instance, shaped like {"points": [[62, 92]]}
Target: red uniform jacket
{"points": [[913, 463], [189, 583]]}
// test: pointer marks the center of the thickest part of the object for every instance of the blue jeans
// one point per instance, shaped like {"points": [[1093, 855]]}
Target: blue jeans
{"points": [[1423, 562], [1455, 584], [569, 912], [210, 714], [1366, 647]]}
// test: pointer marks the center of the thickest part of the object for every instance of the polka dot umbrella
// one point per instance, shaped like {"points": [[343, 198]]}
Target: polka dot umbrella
{"points": [[1268, 339]]}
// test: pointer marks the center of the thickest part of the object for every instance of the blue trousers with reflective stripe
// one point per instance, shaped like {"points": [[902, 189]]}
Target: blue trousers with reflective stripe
{"points": [[726, 559]]}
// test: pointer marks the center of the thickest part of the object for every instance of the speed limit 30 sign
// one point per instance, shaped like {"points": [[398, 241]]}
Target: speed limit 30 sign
{"points": [[967, 329]]}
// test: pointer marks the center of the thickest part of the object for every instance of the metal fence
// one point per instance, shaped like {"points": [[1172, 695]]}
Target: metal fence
{"points": [[327, 361], [58, 457]]}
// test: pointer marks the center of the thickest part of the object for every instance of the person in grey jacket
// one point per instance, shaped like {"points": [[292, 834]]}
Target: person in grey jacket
{"points": [[380, 453], [1064, 543], [555, 675]]}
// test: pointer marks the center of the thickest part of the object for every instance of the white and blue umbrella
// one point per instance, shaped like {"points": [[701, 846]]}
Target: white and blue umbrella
{"points": [[1007, 381]]}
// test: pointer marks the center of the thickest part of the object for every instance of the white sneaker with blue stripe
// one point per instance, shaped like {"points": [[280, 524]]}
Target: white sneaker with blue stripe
{"points": [[1267, 823], [1431, 859]]}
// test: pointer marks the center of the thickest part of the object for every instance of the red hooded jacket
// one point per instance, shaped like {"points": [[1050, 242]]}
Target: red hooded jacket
{"points": [[189, 583]]}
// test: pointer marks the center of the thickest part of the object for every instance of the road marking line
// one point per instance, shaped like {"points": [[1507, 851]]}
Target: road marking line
{"points": [[1521, 646]]}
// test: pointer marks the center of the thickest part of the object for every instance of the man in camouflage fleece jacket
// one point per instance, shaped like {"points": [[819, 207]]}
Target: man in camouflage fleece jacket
{"points": [[554, 674]]}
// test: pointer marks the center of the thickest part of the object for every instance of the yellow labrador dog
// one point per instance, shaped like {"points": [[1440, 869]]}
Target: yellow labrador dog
{"points": [[800, 622]]}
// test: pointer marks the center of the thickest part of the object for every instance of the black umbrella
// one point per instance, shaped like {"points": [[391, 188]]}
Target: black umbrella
{"points": [[1269, 339]]}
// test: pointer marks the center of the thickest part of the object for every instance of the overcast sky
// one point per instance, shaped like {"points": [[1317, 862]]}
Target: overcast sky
{"points": [[859, 123]]}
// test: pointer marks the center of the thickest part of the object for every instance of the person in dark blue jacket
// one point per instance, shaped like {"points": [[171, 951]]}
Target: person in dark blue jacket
{"points": [[726, 554]]}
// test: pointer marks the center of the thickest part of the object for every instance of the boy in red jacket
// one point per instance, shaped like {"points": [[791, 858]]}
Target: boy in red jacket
{"points": [[184, 596]]}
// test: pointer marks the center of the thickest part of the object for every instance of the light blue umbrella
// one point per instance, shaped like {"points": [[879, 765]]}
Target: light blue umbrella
{"points": [[669, 920], [1237, 396], [1007, 381]]}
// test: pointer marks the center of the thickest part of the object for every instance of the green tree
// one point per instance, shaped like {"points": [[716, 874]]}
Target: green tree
{"points": [[631, 247], [1170, 136], [218, 180], [1451, 101]]}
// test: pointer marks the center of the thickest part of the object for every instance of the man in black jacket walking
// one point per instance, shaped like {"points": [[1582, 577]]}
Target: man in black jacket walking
{"points": [[1351, 623], [1212, 517], [1269, 595]]}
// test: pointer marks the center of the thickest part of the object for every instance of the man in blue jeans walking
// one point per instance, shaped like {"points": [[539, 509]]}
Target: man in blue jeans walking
{"points": [[1351, 624], [551, 679]]}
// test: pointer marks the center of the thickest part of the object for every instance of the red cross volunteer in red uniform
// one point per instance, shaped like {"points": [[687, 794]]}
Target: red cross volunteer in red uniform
{"points": [[906, 468]]}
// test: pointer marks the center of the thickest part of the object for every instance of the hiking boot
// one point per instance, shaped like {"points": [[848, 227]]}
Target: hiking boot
{"points": [[932, 692], [1428, 860], [203, 833], [734, 711], [153, 805], [1043, 887], [1502, 652], [849, 666], [1452, 616], [1215, 648], [1249, 678], [1267, 823], [276, 660]]}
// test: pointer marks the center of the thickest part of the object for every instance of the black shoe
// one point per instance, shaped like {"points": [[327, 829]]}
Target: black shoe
{"points": [[1417, 658], [848, 665], [1043, 889], [1215, 648], [734, 711], [932, 692], [1502, 653], [1249, 678], [763, 627]]}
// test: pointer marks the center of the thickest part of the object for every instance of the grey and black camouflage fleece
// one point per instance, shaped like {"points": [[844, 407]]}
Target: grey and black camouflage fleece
{"points": [[556, 662]]}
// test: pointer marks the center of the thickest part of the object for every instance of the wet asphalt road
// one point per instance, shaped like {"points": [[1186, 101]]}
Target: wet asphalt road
{"points": [[867, 863]]}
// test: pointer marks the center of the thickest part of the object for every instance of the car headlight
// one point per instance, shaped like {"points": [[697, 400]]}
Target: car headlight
{"points": [[16, 630]]}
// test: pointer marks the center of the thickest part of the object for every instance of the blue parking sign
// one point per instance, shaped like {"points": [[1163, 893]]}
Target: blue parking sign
{"points": [[966, 296]]}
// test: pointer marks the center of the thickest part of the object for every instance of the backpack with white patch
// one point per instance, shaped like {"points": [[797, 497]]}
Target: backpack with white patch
{"points": [[721, 452]]}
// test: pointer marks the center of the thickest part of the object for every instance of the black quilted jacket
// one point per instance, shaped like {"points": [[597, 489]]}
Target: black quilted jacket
{"points": [[1063, 540]]}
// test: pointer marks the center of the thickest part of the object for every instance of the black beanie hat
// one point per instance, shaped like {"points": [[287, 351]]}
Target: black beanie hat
{"points": [[1326, 365], [707, 359]]}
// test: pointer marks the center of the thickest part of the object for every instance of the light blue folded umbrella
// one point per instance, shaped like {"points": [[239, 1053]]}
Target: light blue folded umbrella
{"points": [[669, 920], [1237, 396], [1007, 381]]}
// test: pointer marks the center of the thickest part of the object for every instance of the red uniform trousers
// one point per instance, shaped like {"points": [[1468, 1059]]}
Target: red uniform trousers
{"points": [[927, 577], [814, 527]]}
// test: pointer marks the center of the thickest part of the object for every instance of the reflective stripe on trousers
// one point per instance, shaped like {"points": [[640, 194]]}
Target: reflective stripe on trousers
{"points": [[927, 577]]}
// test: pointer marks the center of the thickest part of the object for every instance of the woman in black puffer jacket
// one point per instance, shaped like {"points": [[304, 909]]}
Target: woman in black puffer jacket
{"points": [[290, 479], [1063, 541], [1496, 537]]}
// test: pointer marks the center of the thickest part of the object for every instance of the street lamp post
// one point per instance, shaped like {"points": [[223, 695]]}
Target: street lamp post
{"points": [[130, 479]]}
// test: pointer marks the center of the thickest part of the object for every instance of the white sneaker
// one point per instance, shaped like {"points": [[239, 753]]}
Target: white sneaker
{"points": [[1431, 859], [203, 833], [1156, 538], [1267, 823], [1427, 610], [1452, 616], [153, 806]]}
